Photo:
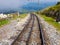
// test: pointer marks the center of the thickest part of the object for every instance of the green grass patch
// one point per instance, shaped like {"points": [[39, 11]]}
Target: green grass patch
{"points": [[3, 22], [52, 22], [22, 15]]}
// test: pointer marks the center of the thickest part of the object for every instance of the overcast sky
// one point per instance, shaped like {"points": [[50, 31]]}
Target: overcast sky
{"points": [[17, 3]]}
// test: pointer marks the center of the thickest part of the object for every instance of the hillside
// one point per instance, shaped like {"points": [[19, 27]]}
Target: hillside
{"points": [[53, 12], [58, 3]]}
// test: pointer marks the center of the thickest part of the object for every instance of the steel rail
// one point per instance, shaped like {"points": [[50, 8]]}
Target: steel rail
{"points": [[41, 31], [22, 30], [30, 31]]}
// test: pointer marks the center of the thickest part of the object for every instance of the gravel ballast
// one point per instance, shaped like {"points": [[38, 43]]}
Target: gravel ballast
{"points": [[8, 33], [51, 32]]}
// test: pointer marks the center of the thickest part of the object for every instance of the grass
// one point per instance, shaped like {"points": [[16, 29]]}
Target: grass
{"points": [[22, 15], [3, 22], [52, 22]]}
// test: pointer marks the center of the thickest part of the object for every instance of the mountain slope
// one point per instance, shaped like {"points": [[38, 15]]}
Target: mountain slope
{"points": [[53, 11]]}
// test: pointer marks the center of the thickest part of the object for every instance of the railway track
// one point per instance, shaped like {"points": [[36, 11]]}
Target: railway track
{"points": [[31, 34]]}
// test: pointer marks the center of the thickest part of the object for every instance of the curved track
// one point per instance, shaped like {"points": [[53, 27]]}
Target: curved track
{"points": [[31, 34]]}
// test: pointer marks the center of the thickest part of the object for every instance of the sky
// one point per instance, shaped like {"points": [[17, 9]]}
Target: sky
{"points": [[17, 3]]}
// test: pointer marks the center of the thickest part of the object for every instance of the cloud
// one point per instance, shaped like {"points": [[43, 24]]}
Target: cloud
{"points": [[58, 0], [9, 3], [17, 3], [48, 0]]}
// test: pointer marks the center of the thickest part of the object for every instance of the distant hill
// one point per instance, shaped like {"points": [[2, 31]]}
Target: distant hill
{"points": [[36, 6]]}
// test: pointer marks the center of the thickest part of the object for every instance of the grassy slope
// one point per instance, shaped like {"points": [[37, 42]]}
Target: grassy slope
{"points": [[51, 21], [22, 15], [3, 22], [56, 7], [51, 11]]}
